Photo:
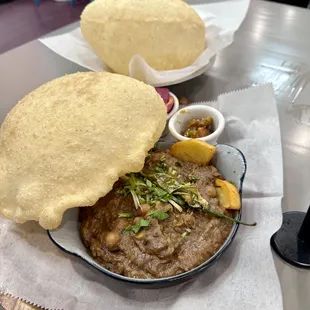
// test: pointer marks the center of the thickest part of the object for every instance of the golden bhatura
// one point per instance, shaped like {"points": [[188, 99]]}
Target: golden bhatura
{"points": [[66, 143], [168, 35], [87, 140]]}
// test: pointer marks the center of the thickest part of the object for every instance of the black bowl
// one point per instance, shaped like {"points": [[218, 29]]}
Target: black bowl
{"points": [[231, 164]]}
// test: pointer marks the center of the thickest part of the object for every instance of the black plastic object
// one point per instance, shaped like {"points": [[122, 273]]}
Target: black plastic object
{"points": [[292, 241], [300, 3]]}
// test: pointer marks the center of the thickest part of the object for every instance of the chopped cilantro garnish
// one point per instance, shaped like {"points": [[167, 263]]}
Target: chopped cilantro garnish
{"points": [[127, 229], [158, 169], [193, 178], [163, 158], [158, 214], [125, 214], [142, 223], [184, 234], [137, 227], [158, 185], [148, 183]]}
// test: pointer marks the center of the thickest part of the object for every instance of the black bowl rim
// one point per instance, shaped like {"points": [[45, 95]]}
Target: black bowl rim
{"points": [[188, 274]]}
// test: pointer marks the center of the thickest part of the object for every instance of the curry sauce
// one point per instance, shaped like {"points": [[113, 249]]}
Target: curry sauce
{"points": [[156, 240]]}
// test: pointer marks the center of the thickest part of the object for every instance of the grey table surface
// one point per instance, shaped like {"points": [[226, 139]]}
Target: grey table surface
{"points": [[272, 45]]}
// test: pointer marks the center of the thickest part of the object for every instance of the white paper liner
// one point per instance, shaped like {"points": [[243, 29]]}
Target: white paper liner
{"points": [[245, 277]]}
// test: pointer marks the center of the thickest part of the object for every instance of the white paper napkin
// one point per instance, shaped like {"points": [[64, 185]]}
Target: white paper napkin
{"points": [[244, 278], [222, 19]]}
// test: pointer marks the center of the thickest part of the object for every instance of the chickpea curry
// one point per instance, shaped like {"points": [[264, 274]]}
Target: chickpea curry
{"points": [[160, 222]]}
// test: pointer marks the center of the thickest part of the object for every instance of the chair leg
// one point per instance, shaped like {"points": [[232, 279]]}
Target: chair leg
{"points": [[37, 2]]}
